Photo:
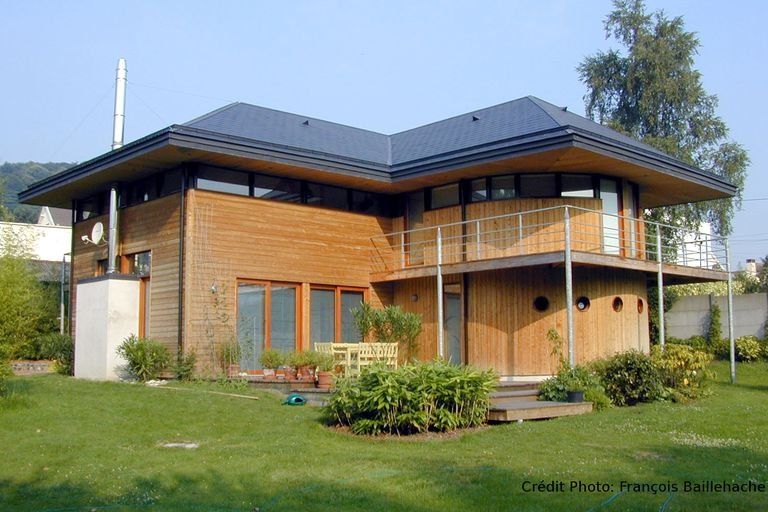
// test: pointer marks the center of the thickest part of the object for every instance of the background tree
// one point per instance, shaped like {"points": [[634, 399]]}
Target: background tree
{"points": [[653, 93]]}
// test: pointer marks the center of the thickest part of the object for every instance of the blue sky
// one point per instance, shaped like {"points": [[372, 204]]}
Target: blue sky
{"points": [[384, 66]]}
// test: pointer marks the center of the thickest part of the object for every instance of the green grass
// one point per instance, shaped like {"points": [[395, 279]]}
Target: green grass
{"points": [[74, 445]]}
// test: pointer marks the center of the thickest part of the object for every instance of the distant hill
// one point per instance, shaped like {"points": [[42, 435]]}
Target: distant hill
{"points": [[17, 176]]}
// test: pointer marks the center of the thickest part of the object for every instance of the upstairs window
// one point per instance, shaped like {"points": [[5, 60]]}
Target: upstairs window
{"points": [[223, 180], [444, 196], [577, 185], [502, 187], [538, 185]]}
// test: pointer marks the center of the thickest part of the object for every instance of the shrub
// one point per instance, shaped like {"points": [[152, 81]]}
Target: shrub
{"points": [[578, 378], [389, 325], [424, 396], [325, 362], [696, 342], [271, 359], [229, 353], [683, 370], [630, 378], [56, 347], [146, 358], [185, 365], [714, 331], [5, 371], [748, 348]]}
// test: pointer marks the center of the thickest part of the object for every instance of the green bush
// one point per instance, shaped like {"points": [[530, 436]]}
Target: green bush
{"points": [[420, 397], [59, 348], [578, 378], [272, 359], [748, 348], [389, 325], [185, 365], [146, 358], [696, 342], [5, 371], [630, 378], [229, 353], [714, 331], [683, 370]]}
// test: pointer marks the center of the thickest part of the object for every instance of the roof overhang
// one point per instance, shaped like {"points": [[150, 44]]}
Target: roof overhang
{"points": [[662, 180]]}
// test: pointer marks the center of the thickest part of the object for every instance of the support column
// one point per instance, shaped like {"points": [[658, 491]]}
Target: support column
{"points": [[112, 242], [660, 286], [440, 334], [732, 343], [569, 288]]}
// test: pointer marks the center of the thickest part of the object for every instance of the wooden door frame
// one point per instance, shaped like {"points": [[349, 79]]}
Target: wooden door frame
{"points": [[268, 308]]}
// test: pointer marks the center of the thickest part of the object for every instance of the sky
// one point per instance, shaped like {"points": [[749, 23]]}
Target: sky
{"points": [[383, 66]]}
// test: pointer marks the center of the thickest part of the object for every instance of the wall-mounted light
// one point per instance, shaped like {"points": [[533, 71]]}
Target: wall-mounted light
{"points": [[414, 298], [213, 288]]}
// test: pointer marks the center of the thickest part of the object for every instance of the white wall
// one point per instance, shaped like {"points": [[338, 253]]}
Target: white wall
{"points": [[47, 243], [107, 313], [690, 315]]}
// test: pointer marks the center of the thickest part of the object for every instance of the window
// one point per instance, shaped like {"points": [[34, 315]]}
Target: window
{"points": [[538, 185], [447, 195], [478, 190], [92, 206], [101, 267], [609, 193], [138, 264], [325, 195], [502, 187], [170, 182], [576, 185], [331, 314], [223, 180], [141, 191], [276, 189], [267, 318], [372, 204]]}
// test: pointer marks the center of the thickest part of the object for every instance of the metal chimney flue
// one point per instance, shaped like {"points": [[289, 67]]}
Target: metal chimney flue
{"points": [[119, 124]]}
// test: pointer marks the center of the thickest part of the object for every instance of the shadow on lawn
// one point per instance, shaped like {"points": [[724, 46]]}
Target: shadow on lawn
{"points": [[434, 484]]}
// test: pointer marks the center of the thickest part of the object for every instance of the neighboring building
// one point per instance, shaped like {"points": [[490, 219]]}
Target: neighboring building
{"points": [[268, 228], [45, 243]]}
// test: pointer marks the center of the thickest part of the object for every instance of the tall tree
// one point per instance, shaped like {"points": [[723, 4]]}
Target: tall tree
{"points": [[653, 93]]}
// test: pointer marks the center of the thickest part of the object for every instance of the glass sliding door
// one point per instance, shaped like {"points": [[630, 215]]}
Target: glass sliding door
{"points": [[452, 323], [251, 323], [631, 223], [609, 193], [322, 327], [282, 317], [350, 301]]}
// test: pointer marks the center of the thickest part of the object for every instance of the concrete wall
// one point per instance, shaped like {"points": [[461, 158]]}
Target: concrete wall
{"points": [[108, 312], [690, 315]]}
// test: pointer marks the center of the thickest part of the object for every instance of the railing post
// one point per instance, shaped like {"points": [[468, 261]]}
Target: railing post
{"points": [[660, 286], [569, 287], [520, 226], [439, 275], [402, 250], [685, 252], [730, 312], [477, 239]]}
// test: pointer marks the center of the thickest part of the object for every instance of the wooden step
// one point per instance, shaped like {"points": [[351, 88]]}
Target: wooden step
{"points": [[514, 410], [505, 385], [521, 394]]}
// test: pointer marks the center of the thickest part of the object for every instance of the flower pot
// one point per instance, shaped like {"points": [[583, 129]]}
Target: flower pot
{"points": [[233, 370], [269, 373], [324, 380], [575, 397]]}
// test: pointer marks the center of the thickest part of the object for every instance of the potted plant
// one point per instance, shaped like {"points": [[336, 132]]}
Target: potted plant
{"points": [[230, 358], [575, 396], [325, 367], [304, 363], [271, 361]]}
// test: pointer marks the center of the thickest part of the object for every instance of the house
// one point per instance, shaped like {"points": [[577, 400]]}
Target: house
{"points": [[496, 226]]}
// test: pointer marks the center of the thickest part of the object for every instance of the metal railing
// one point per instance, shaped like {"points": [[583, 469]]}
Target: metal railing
{"points": [[542, 231]]}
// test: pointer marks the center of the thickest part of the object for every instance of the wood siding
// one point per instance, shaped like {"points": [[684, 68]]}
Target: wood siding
{"points": [[230, 237], [152, 226]]}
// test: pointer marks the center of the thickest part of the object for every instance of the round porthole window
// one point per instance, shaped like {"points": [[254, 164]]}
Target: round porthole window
{"points": [[618, 304], [582, 303], [541, 303], [640, 306]]}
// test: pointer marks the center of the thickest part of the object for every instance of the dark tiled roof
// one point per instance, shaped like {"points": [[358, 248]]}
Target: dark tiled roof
{"points": [[516, 119], [291, 130], [61, 216]]}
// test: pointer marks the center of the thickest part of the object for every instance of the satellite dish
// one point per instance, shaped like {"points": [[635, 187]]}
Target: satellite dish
{"points": [[97, 233]]}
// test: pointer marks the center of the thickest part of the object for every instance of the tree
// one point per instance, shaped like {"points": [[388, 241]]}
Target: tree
{"points": [[654, 94], [5, 214]]}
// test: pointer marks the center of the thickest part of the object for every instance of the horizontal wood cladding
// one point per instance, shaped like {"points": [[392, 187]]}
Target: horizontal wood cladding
{"points": [[152, 226], [505, 332], [230, 237]]}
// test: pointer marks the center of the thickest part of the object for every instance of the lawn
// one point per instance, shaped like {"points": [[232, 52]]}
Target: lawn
{"points": [[73, 445]]}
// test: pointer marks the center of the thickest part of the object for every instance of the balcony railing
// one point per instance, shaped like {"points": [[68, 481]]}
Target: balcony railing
{"points": [[546, 230]]}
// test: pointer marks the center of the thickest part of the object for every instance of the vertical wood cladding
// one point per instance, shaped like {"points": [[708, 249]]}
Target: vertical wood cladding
{"points": [[152, 226], [231, 237], [505, 332]]}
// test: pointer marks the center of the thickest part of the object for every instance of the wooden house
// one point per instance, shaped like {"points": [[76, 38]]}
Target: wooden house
{"points": [[496, 226]]}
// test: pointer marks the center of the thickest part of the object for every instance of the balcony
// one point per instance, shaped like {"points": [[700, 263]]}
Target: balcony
{"points": [[550, 236]]}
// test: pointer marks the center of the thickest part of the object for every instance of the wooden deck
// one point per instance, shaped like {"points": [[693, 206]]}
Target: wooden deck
{"points": [[514, 401], [673, 274]]}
